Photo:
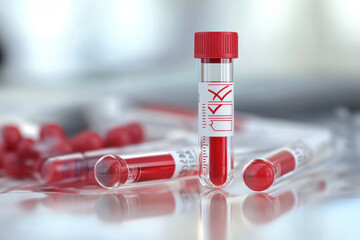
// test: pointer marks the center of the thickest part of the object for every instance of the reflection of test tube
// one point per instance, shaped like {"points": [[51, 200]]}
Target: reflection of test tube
{"points": [[79, 167], [215, 215], [261, 173], [216, 116], [157, 200], [260, 208]]}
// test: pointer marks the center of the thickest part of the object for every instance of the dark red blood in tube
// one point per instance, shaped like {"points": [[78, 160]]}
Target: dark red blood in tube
{"points": [[260, 174], [87, 141], [218, 160], [114, 171], [153, 167], [11, 136], [52, 131]]}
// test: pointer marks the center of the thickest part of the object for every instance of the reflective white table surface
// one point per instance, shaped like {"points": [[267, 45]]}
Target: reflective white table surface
{"points": [[322, 203]]}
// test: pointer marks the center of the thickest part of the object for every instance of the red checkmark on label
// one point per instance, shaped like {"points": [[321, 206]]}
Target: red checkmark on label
{"points": [[214, 110]]}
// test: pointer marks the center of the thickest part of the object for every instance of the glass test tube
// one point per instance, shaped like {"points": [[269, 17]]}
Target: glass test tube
{"points": [[216, 110], [262, 173], [79, 167], [114, 171]]}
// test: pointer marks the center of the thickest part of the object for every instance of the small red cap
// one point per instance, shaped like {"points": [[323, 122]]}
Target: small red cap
{"points": [[52, 131], [259, 175], [87, 141], [216, 45]]}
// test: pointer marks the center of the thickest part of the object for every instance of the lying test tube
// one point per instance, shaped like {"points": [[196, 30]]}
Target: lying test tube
{"points": [[79, 167], [115, 171], [262, 173]]}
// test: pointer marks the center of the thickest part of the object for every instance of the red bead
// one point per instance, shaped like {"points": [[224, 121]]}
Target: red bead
{"points": [[13, 167], [118, 137], [26, 149], [11, 136], [52, 131], [2, 152], [136, 131], [62, 147], [87, 141]]}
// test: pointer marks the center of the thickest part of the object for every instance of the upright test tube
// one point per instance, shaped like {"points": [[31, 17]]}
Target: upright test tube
{"points": [[216, 110]]}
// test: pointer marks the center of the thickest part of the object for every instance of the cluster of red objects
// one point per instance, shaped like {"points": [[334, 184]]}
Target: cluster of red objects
{"points": [[22, 157]]}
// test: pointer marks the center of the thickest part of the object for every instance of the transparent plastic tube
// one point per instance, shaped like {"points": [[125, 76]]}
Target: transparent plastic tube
{"points": [[216, 122], [216, 110], [262, 173], [79, 167], [114, 171]]}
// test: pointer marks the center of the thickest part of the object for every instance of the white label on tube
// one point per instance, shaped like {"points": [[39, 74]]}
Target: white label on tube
{"points": [[216, 109], [186, 161]]}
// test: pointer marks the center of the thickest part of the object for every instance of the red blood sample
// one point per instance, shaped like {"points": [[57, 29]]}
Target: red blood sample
{"points": [[119, 136], [260, 174], [218, 160], [136, 132], [51, 131], [87, 141], [11, 137], [260, 208], [113, 171]]}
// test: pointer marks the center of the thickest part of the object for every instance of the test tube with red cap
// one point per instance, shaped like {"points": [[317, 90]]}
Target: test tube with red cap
{"points": [[262, 173], [216, 105]]}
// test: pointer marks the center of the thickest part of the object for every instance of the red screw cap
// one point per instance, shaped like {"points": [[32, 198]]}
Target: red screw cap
{"points": [[87, 141], [118, 137], [137, 132], [52, 131], [216, 45], [11, 136]]}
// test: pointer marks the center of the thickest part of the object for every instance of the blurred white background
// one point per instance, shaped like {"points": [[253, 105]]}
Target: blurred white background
{"points": [[295, 55]]}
